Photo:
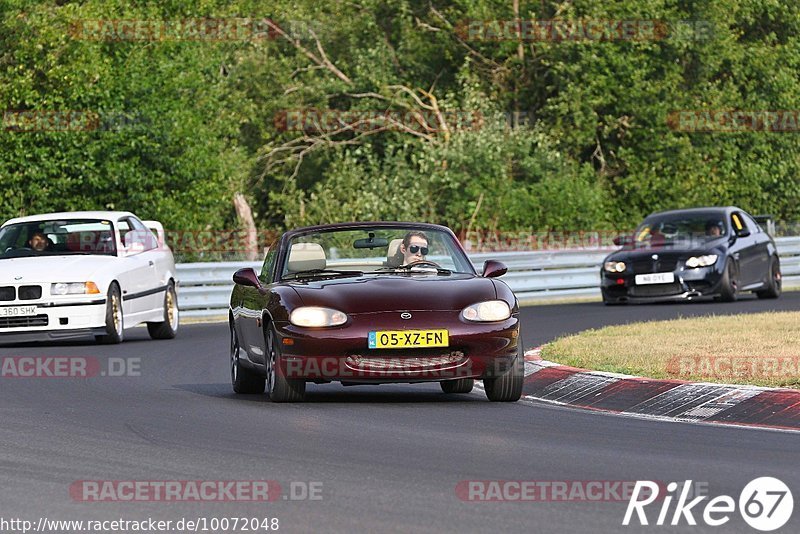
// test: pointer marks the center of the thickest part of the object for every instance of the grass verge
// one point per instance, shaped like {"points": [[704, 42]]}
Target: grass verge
{"points": [[759, 349]]}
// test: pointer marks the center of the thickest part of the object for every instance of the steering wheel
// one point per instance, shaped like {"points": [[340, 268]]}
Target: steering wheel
{"points": [[419, 263]]}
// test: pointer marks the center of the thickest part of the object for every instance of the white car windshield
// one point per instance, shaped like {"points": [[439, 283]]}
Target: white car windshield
{"points": [[375, 250], [57, 237]]}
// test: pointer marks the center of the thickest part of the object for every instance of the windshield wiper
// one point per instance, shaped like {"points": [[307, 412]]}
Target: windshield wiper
{"points": [[409, 268], [320, 272]]}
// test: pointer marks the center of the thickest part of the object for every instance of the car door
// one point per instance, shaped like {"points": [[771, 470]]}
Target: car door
{"points": [[135, 273], [253, 304], [760, 258], [745, 250], [159, 262]]}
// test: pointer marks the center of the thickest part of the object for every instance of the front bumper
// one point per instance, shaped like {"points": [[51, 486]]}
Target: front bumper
{"points": [[55, 320], [689, 284], [480, 350]]}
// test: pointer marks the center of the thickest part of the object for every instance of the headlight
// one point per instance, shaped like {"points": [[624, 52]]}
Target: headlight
{"points": [[614, 266], [491, 310], [701, 261], [74, 288], [316, 316]]}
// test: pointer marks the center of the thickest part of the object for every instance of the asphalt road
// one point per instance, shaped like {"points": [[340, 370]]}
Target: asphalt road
{"points": [[389, 458]]}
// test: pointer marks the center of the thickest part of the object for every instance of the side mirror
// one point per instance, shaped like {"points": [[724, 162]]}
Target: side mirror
{"points": [[493, 269], [622, 240], [744, 232], [247, 277]]}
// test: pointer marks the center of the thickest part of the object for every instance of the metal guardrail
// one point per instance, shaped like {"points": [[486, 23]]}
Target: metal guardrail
{"points": [[205, 288]]}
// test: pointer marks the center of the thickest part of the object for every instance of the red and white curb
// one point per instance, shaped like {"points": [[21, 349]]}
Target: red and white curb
{"points": [[673, 400]]}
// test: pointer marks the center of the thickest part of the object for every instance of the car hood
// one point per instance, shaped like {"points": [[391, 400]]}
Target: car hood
{"points": [[77, 268], [393, 292], [626, 254]]}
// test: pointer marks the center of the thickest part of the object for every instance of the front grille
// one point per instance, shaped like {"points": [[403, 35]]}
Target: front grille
{"points": [[7, 293], [30, 292], [655, 266], [21, 322], [657, 290], [404, 362]]}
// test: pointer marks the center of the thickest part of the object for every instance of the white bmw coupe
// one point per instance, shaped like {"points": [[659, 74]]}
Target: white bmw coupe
{"points": [[65, 275]]}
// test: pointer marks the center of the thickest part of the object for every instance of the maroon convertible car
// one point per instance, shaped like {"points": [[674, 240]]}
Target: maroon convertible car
{"points": [[372, 303]]}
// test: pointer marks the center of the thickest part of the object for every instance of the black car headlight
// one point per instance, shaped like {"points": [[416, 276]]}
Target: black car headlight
{"points": [[614, 266], [316, 316], [487, 311], [701, 261]]}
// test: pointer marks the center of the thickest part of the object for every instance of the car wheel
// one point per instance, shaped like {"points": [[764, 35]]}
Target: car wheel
{"points": [[115, 322], [167, 328], [774, 284], [508, 386], [729, 287], [460, 385], [243, 380], [280, 388]]}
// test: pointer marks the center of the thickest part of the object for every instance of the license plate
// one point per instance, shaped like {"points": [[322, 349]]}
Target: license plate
{"points": [[403, 339], [654, 278], [17, 311]]}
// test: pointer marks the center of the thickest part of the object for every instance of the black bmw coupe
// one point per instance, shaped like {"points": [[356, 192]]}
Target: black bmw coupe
{"points": [[692, 253]]}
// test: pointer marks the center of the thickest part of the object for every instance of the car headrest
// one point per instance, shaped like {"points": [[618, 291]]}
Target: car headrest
{"points": [[392, 252], [306, 256]]}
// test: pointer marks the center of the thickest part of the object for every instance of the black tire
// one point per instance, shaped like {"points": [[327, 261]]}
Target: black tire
{"points": [[167, 328], [774, 284], [729, 286], [243, 380], [508, 386], [459, 385], [115, 322], [280, 388]]}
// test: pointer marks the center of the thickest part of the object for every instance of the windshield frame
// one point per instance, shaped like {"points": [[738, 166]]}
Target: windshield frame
{"points": [[456, 248], [680, 241]]}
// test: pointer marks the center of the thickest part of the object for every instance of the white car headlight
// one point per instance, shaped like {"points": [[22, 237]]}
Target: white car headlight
{"points": [[314, 316], [614, 266], [701, 261], [74, 288], [490, 310]]}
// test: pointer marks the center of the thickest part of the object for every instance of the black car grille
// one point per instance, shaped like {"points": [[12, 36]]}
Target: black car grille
{"points": [[30, 292], [403, 360], [7, 293], [20, 322], [655, 266], [657, 290]]}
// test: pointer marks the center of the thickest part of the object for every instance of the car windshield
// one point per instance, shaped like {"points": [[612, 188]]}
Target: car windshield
{"points": [[379, 250], [680, 231], [57, 237]]}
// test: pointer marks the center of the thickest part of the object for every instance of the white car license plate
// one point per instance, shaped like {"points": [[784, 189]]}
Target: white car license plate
{"points": [[17, 311], [654, 278]]}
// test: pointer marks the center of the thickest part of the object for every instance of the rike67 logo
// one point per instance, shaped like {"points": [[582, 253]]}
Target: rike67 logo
{"points": [[765, 504]]}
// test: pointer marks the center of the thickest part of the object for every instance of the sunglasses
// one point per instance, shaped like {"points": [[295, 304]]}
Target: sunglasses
{"points": [[416, 248]]}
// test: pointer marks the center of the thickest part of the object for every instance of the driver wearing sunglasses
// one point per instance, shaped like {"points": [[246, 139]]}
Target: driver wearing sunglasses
{"points": [[414, 247]]}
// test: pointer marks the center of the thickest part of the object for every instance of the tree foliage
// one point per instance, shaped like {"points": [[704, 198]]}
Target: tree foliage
{"points": [[572, 134]]}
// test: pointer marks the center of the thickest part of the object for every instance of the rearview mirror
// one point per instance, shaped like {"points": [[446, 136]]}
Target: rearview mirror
{"points": [[493, 269], [247, 277], [371, 242]]}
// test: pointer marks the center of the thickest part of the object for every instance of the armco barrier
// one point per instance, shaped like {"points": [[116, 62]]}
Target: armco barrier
{"points": [[205, 288]]}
